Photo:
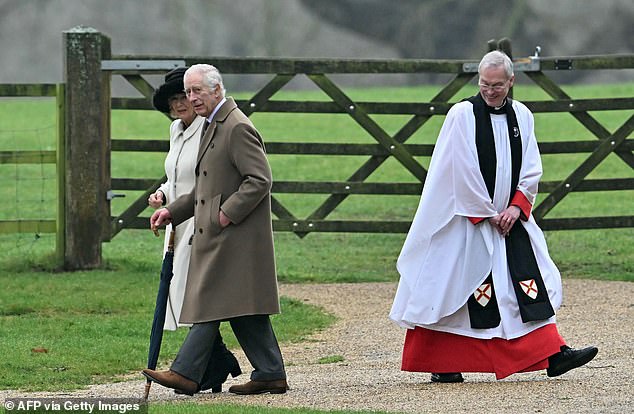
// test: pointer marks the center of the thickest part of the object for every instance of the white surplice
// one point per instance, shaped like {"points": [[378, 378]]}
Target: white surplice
{"points": [[445, 257]]}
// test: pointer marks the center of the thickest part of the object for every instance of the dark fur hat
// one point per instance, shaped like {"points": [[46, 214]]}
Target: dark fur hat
{"points": [[173, 85]]}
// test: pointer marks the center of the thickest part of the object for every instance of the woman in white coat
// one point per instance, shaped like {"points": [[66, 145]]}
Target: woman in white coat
{"points": [[185, 133]]}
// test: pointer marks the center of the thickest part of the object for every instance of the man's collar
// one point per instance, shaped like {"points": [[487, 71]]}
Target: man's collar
{"points": [[210, 117], [498, 110]]}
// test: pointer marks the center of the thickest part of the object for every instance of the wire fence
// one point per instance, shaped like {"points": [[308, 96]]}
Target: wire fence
{"points": [[28, 192]]}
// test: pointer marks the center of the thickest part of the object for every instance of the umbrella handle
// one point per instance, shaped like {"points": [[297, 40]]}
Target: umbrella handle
{"points": [[170, 243]]}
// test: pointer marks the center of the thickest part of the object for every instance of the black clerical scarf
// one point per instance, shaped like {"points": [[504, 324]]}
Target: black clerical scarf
{"points": [[519, 252]]}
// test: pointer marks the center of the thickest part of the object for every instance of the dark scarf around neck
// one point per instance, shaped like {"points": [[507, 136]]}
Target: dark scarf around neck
{"points": [[486, 143], [533, 302]]}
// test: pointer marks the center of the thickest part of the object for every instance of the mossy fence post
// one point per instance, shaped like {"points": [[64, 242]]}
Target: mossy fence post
{"points": [[87, 147]]}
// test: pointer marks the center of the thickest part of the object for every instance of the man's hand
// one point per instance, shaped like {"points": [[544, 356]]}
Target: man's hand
{"points": [[223, 219], [504, 221], [160, 217]]}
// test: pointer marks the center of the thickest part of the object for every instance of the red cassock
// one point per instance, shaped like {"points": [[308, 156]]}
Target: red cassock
{"points": [[451, 253]]}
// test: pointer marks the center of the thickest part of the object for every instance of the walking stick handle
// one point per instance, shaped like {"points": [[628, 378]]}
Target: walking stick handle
{"points": [[170, 244]]}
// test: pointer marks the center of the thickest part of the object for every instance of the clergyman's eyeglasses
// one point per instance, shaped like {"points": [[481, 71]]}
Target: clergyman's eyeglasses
{"points": [[498, 87]]}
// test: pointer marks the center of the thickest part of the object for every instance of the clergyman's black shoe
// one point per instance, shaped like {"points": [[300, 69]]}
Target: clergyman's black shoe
{"points": [[447, 377], [569, 358]]}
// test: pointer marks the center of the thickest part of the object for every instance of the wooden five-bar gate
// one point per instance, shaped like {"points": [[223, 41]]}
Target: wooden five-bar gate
{"points": [[89, 67]]}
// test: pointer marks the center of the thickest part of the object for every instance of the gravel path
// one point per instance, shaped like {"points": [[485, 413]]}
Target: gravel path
{"points": [[369, 378]]}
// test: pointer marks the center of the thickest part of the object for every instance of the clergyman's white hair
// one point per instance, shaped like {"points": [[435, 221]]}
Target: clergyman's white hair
{"points": [[496, 59]]}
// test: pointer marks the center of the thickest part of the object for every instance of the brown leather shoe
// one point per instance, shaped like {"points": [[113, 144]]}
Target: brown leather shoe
{"points": [[260, 387], [171, 379]]}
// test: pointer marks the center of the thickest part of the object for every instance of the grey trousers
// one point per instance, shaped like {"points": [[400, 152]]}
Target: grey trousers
{"points": [[256, 337]]}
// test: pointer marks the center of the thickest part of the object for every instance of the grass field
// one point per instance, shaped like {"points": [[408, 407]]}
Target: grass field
{"points": [[342, 257], [110, 308]]}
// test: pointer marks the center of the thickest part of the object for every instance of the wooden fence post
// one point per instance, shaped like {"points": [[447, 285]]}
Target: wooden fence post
{"points": [[87, 147], [60, 222]]}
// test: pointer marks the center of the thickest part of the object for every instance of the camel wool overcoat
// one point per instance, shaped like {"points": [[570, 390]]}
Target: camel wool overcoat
{"points": [[232, 269]]}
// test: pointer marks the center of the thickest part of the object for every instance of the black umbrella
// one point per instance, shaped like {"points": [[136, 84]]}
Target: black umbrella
{"points": [[156, 337]]}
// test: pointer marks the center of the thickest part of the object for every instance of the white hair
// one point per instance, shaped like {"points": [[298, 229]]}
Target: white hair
{"points": [[496, 59], [211, 76]]}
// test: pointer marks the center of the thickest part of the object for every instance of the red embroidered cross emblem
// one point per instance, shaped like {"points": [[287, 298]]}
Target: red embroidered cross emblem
{"points": [[529, 287], [483, 294]]}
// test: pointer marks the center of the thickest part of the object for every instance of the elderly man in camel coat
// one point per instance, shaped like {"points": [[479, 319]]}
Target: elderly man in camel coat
{"points": [[232, 273]]}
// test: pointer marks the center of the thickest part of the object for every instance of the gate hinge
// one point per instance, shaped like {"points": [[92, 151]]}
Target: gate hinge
{"points": [[141, 65], [563, 64], [111, 194]]}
